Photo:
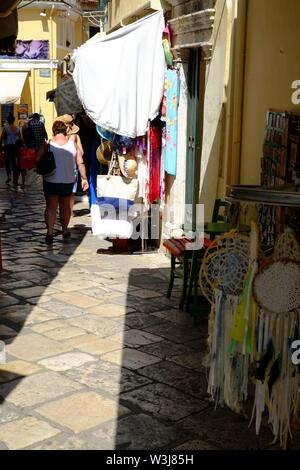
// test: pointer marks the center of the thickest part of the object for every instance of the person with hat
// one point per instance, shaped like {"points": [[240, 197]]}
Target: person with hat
{"points": [[58, 186], [72, 133]]}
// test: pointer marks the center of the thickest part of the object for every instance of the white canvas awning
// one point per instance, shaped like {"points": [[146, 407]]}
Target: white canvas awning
{"points": [[11, 86]]}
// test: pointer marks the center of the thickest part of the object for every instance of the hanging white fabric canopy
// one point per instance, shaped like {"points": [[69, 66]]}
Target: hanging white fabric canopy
{"points": [[11, 86], [120, 77]]}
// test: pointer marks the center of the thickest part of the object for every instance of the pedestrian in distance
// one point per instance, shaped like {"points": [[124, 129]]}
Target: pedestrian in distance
{"points": [[36, 133], [58, 186], [10, 137]]}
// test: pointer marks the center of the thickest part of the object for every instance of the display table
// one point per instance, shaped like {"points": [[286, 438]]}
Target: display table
{"points": [[283, 196], [217, 228]]}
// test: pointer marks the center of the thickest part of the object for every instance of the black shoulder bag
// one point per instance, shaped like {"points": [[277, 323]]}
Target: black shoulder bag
{"points": [[46, 165]]}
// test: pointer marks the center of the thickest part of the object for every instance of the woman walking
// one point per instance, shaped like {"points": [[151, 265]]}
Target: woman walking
{"points": [[58, 186], [72, 133], [11, 137]]}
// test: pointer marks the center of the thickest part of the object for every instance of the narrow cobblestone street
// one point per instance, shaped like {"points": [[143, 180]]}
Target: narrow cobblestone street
{"points": [[97, 357]]}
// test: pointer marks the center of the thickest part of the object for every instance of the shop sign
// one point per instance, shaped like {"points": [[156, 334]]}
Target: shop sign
{"points": [[22, 111], [45, 73]]}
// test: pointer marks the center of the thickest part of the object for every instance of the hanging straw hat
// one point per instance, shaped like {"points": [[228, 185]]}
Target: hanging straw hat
{"points": [[104, 152], [128, 165], [69, 122]]}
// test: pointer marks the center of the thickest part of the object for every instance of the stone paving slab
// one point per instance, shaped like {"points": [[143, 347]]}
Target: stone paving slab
{"points": [[171, 374], [9, 412], [37, 388], [166, 349], [65, 310], [5, 331], [14, 369], [164, 401], [140, 320], [135, 338], [196, 444], [33, 347], [110, 310], [130, 358], [7, 300], [96, 346], [226, 430], [82, 411], [142, 432], [91, 323], [76, 299], [80, 441], [66, 361], [22, 433], [107, 377]]}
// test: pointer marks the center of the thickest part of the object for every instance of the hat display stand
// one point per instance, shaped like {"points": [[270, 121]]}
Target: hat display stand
{"points": [[276, 289]]}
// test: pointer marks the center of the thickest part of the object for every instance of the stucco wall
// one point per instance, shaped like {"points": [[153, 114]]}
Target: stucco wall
{"points": [[34, 26], [215, 101], [272, 64]]}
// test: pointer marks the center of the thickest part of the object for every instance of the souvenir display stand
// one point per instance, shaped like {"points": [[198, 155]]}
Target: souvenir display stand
{"points": [[255, 317]]}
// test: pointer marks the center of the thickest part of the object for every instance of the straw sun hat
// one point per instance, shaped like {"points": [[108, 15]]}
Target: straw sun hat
{"points": [[128, 165], [104, 152], [69, 122]]}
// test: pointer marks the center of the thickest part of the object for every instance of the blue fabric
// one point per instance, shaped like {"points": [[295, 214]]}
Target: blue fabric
{"points": [[93, 172], [104, 133], [118, 204], [172, 90]]}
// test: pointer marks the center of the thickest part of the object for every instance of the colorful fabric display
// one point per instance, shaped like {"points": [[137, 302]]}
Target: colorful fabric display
{"points": [[142, 162], [167, 45], [154, 163], [172, 91]]}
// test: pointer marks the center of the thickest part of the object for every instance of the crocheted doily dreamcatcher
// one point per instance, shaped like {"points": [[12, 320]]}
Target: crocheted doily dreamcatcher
{"points": [[287, 247], [276, 289]]}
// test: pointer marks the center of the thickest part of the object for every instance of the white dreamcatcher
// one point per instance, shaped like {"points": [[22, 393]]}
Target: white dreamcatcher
{"points": [[276, 289], [222, 275]]}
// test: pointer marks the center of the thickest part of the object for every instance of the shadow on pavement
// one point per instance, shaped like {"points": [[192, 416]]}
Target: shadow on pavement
{"points": [[29, 268], [163, 401]]}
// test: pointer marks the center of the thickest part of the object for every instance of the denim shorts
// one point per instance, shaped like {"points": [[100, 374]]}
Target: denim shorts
{"points": [[57, 189]]}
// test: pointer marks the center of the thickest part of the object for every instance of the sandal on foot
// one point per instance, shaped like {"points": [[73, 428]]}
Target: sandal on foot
{"points": [[66, 235], [49, 239]]}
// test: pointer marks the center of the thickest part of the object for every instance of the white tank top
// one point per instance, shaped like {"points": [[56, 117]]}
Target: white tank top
{"points": [[65, 158]]}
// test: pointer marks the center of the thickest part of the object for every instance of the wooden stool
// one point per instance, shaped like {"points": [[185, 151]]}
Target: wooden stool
{"points": [[180, 258]]}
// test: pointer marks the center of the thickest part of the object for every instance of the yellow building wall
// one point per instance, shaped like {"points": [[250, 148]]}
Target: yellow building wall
{"points": [[217, 82], [272, 64], [33, 26], [119, 9]]}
